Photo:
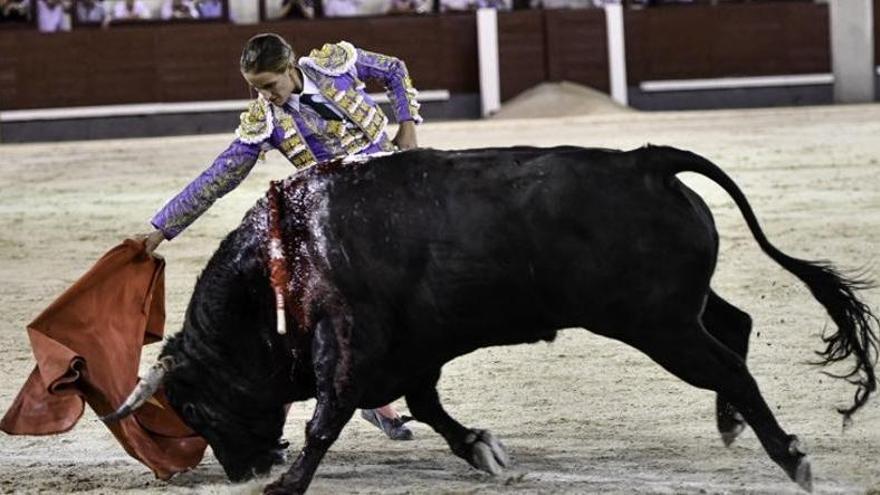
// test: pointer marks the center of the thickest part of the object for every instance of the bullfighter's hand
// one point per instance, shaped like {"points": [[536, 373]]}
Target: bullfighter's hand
{"points": [[405, 139], [151, 241]]}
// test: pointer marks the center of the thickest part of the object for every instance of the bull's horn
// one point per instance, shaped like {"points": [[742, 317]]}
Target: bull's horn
{"points": [[143, 391]]}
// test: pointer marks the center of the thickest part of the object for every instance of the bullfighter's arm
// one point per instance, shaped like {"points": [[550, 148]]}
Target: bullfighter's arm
{"points": [[227, 172], [392, 73]]}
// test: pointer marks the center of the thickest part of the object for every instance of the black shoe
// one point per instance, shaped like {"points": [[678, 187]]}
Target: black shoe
{"points": [[392, 427]]}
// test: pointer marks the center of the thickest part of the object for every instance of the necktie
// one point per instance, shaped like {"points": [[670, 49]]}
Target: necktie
{"points": [[323, 110]]}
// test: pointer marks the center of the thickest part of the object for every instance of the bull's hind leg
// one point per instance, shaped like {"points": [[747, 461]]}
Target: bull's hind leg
{"points": [[688, 351], [478, 447], [336, 400], [732, 327]]}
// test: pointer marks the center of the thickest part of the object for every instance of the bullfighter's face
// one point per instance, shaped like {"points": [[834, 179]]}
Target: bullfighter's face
{"points": [[275, 86], [243, 438]]}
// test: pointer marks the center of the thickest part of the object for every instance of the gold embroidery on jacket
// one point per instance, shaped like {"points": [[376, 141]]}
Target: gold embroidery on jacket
{"points": [[332, 59], [255, 123], [293, 146], [369, 118], [285, 121]]}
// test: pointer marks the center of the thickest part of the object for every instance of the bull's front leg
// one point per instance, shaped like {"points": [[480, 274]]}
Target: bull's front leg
{"points": [[478, 447], [336, 401]]}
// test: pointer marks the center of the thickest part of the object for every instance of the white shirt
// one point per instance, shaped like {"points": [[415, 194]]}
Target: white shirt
{"points": [[342, 8], [310, 88], [167, 11], [138, 11], [51, 19], [212, 9]]}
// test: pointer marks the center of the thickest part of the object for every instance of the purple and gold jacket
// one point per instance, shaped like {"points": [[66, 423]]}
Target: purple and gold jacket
{"points": [[305, 138]]}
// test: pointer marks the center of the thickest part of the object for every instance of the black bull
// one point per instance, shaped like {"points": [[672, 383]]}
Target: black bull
{"points": [[405, 262]]}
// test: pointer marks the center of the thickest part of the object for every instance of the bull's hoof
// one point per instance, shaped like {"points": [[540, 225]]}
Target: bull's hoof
{"points": [[274, 489], [279, 488], [487, 453], [799, 470], [735, 430], [730, 422], [803, 475]]}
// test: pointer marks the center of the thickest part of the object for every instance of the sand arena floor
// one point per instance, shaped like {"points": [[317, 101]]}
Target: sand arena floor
{"points": [[581, 415]]}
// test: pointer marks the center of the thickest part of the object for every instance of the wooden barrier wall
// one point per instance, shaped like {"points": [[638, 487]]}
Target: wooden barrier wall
{"points": [[752, 39], [553, 45], [522, 51], [193, 62]]}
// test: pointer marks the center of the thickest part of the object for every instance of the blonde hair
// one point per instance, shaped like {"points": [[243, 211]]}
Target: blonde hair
{"points": [[266, 52]]}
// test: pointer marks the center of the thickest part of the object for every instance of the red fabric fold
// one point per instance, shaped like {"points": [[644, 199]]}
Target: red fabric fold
{"points": [[87, 344]]}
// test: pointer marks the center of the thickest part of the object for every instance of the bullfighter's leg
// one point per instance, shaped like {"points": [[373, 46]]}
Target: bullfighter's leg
{"points": [[336, 401], [388, 421], [478, 447], [732, 327], [688, 351]]}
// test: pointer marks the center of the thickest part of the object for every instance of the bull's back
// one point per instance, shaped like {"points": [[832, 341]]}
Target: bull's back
{"points": [[521, 238]]}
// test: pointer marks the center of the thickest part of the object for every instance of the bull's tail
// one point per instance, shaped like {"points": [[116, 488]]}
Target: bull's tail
{"points": [[856, 323]]}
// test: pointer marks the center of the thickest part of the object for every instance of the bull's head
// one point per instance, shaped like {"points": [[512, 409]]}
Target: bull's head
{"points": [[227, 373], [243, 433]]}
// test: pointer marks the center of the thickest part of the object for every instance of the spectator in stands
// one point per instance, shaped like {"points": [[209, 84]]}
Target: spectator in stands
{"points": [[563, 4], [312, 109], [53, 16], [657, 3], [353, 8], [493, 4], [342, 8], [455, 5], [297, 9], [130, 10], [92, 12], [15, 10], [410, 6], [178, 9], [464, 5], [209, 9]]}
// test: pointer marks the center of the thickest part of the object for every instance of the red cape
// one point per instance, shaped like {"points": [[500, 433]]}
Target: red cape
{"points": [[88, 346]]}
